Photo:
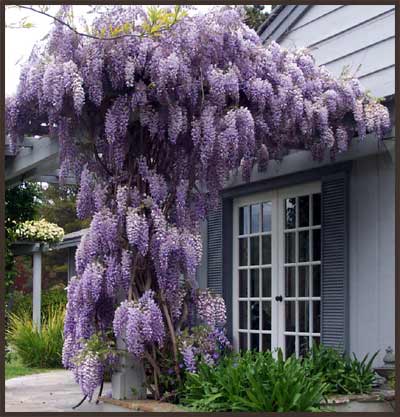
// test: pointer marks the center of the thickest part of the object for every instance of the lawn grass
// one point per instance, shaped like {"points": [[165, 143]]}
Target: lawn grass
{"points": [[15, 368]]}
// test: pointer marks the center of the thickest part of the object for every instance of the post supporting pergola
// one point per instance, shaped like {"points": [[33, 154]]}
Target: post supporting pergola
{"points": [[34, 249], [37, 288]]}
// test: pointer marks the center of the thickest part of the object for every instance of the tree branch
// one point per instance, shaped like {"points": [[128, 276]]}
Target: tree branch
{"points": [[173, 338], [156, 370], [88, 35]]}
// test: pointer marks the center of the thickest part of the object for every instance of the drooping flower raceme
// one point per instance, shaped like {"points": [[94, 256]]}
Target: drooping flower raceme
{"points": [[151, 124], [210, 308], [140, 324]]}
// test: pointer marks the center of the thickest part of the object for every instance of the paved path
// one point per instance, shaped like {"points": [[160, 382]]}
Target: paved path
{"points": [[51, 391]]}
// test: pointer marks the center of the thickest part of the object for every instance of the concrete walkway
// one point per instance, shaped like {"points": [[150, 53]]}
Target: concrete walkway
{"points": [[50, 392]]}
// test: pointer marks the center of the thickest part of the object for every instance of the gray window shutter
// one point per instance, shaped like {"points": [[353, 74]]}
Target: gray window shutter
{"points": [[334, 320], [214, 250]]}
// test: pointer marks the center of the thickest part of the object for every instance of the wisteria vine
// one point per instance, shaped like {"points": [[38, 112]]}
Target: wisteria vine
{"points": [[152, 126]]}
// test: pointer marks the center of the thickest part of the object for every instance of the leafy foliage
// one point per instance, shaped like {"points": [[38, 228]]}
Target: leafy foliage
{"points": [[256, 381], [21, 204], [392, 381], [253, 382], [256, 15], [58, 205], [343, 374], [22, 303], [14, 368], [159, 19], [38, 349]]}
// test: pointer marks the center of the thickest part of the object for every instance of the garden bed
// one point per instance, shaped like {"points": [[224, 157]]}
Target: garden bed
{"points": [[376, 401]]}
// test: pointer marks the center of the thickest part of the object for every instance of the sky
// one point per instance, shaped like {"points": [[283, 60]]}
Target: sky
{"points": [[19, 41]]}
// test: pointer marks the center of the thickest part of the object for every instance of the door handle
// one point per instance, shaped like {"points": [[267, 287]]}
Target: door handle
{"points": [[279, 298]]}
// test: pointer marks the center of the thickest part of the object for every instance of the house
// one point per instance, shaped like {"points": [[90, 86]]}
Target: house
{"points": [[305, 251]]}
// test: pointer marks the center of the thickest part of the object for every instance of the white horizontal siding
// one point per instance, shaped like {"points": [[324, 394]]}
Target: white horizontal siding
{"points": [[368, 60], [381, 83], [314, 13], [355, 36], [360, 37], [330, 24]]}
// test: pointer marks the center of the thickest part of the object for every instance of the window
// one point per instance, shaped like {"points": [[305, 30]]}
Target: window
{"points": [[277, 270]]}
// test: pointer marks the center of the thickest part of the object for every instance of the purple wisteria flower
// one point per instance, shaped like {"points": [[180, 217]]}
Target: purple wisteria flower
{"points": [[140, 324]]}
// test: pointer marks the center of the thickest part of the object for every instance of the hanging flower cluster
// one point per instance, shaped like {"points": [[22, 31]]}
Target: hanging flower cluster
{"points": [[210, 308], [151, 123], [202, 343], [207, 340], [39, 231], [96, 353], [140, 324]]}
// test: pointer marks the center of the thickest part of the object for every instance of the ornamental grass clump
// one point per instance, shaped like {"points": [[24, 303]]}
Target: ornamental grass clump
{"points": [[39, 231], [344, 374], [38, 349], [152, 118], [54, 297]]}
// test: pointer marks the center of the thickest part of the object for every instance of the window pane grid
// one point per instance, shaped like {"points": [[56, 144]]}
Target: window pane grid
{"points": [[255, 229], [301, 228]]}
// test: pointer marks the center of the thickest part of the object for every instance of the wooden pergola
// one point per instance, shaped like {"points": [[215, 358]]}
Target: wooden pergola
{"points": [[36, 250]]}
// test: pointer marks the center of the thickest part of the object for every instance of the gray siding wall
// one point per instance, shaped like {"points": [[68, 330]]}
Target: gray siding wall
{"points": [[372, 255], [360, 37]]}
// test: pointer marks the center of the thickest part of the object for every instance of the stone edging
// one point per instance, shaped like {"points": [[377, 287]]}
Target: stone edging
{"points": [[148, 406], [374, 396]]}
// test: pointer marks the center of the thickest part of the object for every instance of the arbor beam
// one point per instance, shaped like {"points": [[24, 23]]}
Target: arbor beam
{"points": [[38, 156]]}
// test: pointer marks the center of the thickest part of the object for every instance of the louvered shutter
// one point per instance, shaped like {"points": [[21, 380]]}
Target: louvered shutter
{"points": [[214, 250], [334, 320]]}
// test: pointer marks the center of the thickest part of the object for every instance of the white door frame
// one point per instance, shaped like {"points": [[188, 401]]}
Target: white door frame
{"points": [[277, 197]]}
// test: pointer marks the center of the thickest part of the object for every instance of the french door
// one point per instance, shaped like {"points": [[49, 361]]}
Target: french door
{"points": [[277, 270]]}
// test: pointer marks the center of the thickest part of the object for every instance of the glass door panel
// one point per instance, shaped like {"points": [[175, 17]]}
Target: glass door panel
{"points": [[254, 286], [301, 241]]}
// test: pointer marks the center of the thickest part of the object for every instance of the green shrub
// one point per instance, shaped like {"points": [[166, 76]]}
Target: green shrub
{"points": [[392, 381], [343, 374], [38, 349], [253, 381], [22, 303]]}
